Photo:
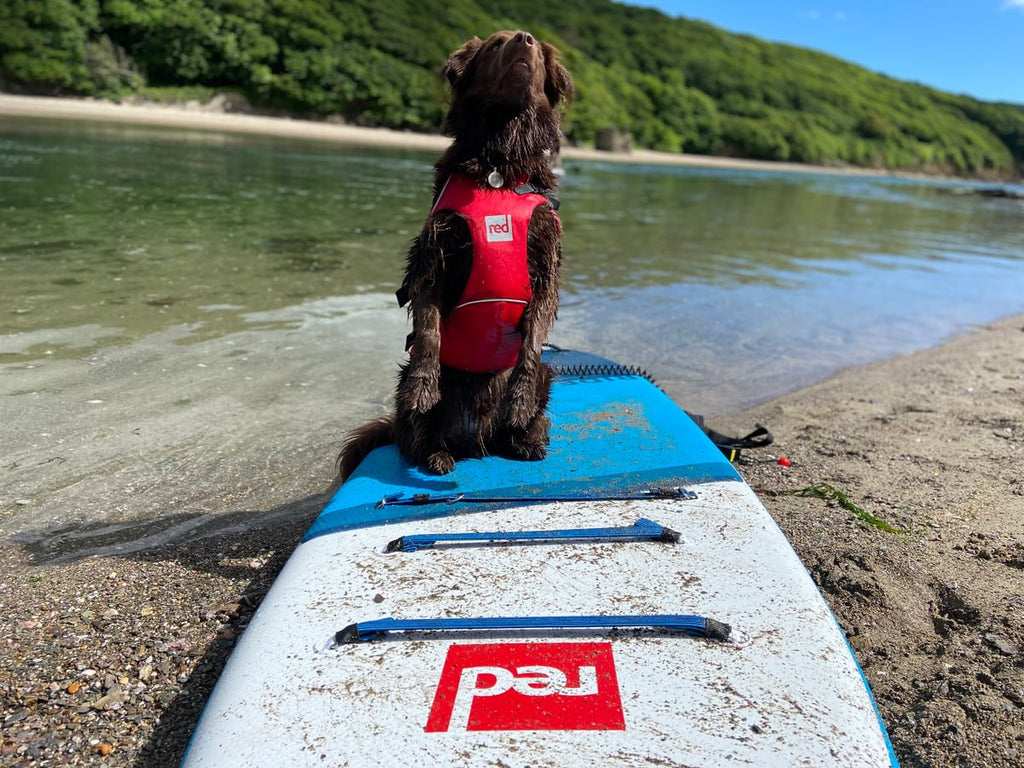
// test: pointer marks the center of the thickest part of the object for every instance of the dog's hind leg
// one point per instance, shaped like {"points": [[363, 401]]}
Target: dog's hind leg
{"points": [[421, 437], [421, 442], [530, 442]]}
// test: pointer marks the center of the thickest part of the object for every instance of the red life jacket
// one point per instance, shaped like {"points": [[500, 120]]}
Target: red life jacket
{"points": [[482, 333]]}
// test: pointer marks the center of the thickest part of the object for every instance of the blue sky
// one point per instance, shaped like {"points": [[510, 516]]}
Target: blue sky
{"points": [[964, 46]]}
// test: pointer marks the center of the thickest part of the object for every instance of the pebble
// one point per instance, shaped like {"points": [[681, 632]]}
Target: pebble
{"points": [[113, 699], [1003, 645], [16, 717]]}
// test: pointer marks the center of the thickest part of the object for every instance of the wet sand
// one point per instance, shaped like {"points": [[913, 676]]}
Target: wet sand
{"points": [[115, 631]]}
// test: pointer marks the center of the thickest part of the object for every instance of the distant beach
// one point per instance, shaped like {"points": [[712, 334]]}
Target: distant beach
{"points": [[195, 116]]}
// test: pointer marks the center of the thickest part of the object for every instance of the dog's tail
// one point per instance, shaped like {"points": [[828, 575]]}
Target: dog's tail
{"points": [[362, 440]]}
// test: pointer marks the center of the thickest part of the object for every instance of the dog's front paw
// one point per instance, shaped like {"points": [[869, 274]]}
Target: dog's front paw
{"points": [[440, 462], [421, 393], [522, 408]]}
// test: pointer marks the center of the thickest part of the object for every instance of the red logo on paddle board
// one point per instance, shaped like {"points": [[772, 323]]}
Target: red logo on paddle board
{"points": [[528, 687]]}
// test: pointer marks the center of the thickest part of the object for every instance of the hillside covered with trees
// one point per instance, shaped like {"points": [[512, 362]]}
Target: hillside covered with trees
{"points": [[673, 84]]}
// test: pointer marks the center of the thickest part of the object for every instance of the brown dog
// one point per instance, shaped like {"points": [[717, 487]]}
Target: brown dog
{"points": [[482, 276]]}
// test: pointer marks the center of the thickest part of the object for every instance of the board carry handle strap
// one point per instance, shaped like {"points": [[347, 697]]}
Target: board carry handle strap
{"points": [[402, 499], [731, 446], [641, 530], [692, 626]]}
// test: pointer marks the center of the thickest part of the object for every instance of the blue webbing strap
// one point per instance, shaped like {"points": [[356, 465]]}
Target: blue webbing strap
{"points": [[641, 530], [693, 626], [673, 492]]}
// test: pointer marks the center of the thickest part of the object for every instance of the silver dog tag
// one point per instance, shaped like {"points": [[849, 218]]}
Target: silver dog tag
{"points": [[495, 179]]}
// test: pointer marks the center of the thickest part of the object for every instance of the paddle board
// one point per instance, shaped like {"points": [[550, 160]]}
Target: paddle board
{"points": [[626, 601]]}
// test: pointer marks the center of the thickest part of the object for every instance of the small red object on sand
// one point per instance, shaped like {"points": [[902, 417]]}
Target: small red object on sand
{"points": [[783, 461]]}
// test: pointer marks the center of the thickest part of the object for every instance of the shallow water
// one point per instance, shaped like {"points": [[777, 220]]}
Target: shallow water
{"points": [[168, 295]]}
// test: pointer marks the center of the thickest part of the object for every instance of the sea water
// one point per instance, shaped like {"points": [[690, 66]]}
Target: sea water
{"points": [[186, 315]]}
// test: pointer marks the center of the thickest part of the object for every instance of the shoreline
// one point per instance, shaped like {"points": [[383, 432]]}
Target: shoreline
{"points": [[111, 657], [193, 116]]}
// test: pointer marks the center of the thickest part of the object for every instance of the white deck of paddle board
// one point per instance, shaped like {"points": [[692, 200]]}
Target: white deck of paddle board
{"points": [[785, 691]]}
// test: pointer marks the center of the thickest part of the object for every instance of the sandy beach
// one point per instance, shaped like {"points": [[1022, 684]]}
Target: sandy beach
{"points": [[903, 493], [213, 117]]}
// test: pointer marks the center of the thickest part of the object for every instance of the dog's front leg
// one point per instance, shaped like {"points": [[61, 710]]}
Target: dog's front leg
{"points": [[420, 389], [538, 317]]}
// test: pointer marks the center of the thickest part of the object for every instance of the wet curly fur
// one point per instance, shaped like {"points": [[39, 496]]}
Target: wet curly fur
{"points": [[506, 93]]}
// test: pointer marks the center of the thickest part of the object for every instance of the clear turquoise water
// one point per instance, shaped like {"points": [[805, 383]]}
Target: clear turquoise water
{"points": [[729, 287]]}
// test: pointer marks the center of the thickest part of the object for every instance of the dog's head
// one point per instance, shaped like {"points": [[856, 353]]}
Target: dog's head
{"points": [[510, 69]]}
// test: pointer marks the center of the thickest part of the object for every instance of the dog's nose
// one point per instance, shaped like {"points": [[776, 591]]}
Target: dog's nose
{"points": [[524, 37]]}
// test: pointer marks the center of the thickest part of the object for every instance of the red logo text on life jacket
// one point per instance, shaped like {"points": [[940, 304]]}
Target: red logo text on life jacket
{"points": [[526, 687], [498, 228]]}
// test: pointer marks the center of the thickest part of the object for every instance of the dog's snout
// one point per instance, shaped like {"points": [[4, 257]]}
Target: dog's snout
{"points": [[524, 37]]}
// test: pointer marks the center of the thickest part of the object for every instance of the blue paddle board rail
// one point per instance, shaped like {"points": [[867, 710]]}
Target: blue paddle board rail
{"points": [[613, 433]]}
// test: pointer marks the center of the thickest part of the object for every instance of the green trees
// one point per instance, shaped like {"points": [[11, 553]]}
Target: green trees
{"points": [[672, 84], [43, 44]]}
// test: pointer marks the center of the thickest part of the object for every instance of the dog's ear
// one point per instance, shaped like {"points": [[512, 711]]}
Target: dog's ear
{"points": [[456, 65], [557, 82]]}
